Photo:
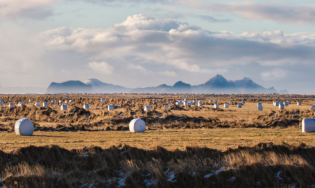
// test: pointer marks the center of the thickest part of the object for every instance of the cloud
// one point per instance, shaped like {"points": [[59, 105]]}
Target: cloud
{"points": [[275, 74], [283, 13], [171, 43], [136, 67], [30, 9], [211, 19], [103, 67], [168, 73]]}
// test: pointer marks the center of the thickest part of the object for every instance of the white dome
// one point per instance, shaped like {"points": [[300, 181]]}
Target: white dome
{"points": [[298, 103], [64, 107], [137, 125], [199, 103], [21, 104], [24, 127], [216, 106], [37, 104], [86, 106], [60, 101], [226, 105], [45, 104], [66, 101], [110, 107]]}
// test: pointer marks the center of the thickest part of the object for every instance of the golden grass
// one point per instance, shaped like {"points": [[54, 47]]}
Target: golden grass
{"points": [[221, 139]]}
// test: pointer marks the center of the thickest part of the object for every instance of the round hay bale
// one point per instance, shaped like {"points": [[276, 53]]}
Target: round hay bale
{"points": [[226, 105], [86, 106], [63, 107], [24, 127], [110, 107], [137, 125]]}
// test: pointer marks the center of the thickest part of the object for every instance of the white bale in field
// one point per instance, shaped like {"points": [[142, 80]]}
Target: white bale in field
{"points": [[226, 105], [231, 100], [86, 106], [147, 108], [289, 102], [21, 104], [63, 107], [102, 99], [168, 103], [216, 106], [260, 108], [190, 103], [243, 101], [239, 105], [286, 103], [137, 126], [216, 101], [30, 100], [313, 107], [60, 101], [259, 104], [37, 104], [298, 103], [210, 101], [185, 103], [276, 103], [194, 101], [66, 101], [199, 103], [308, 125], [179, 103], [24, 127], [185, 100], [281, 106], [1, 103], [11, 105], [45, 104], [110, 107], [165, 108]]}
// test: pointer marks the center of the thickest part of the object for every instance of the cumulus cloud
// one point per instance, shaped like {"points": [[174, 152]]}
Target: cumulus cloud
{"points": [[101, 67], [283, 13], [182, 46], [33, 9]]}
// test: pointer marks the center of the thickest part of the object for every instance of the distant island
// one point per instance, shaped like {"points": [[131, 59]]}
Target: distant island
{"points": [[217, 84]]}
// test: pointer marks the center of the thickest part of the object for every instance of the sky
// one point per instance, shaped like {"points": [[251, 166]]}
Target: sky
{"points": [[142, 43]]}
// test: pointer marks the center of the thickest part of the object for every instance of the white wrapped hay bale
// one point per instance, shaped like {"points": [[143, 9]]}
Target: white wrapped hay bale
{"points": [[45, 104], [286, 103], [21, 104], [86, 106], [179, 103], [298, 103], [281, 106], [194, 101], [313, 107], [24, 127], [260, 108], [110, 107], [37, 104], [102, 99], [231, 101], [147, 108], [216, 101], [11, 105], [137, 126], [276, 103], [243, 101], [259, 104], [308, 125], [30, 100], [210, 101], [199, 103], [1, 103], [216, 106], [185, 103], [239, 105], [66, 101], [60, 101], [168, 103], [63, 107], [226, 105]]}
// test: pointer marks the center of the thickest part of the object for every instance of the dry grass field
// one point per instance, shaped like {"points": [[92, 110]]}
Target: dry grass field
{"points": [[186, 146]]}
